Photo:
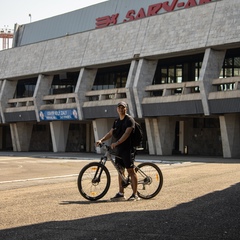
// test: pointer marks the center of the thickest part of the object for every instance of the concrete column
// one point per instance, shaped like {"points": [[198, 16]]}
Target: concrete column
{"points": [[1, 133], [211, 68], [160, 135], [6, 92], [166, 135], [100, 128], [42, 88], [85, 82], [230, 133], [181, 136], [150, 135], [129, 88], [21, 133], [59, 134], [144, 77]]}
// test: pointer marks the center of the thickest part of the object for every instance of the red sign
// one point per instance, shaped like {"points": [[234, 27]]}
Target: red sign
{"points": [[152, 10]]}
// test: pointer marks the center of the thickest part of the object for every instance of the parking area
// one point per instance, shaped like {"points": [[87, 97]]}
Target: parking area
{"points": [[39, 200]]}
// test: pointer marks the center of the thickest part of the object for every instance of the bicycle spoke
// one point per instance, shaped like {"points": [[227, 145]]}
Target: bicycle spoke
{"points": [[150, 180], [93, 181]]}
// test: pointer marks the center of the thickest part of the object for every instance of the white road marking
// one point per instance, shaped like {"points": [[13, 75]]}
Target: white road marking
{"points": [[37, 179]]}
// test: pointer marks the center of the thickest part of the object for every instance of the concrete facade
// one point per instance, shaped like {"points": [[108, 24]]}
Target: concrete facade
{"points": [[207, 27]]}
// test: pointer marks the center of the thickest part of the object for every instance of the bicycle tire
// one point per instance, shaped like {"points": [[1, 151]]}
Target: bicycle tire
{"points": [[89, 185], [150, 180]]}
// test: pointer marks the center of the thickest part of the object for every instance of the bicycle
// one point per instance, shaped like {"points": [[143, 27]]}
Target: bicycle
{"points": [[94, 179]]}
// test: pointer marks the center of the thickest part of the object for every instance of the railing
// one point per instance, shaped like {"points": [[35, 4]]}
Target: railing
{"points": [[105, 97], [184, 91], [21, 102], [59, 99], [98, 95], [225, 88]]}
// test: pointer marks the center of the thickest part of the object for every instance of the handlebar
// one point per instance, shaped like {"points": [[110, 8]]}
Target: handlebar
{"points": [[104, 145]]}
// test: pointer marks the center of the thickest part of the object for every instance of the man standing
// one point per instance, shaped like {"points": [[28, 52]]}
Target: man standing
{"points": [[121, 131]]}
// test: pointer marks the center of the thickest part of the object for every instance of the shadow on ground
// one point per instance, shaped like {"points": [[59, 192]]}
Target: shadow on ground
{"points": [[213, 216]]}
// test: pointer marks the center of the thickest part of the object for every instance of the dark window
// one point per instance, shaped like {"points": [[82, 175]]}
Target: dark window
{"points": [[25, 88], [206, 123], [111, 77], [177, 70], [231, 68], [64, 83]]}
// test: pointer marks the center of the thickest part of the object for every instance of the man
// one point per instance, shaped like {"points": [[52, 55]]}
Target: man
{"points": [[121, 131]]}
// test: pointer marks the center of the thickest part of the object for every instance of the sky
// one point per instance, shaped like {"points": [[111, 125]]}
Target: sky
{"points": [[17, 11], [24, 11]]}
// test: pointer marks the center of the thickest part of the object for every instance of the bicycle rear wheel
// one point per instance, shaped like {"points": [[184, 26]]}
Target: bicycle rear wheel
{"points": [[93, 181], [150, 180]]}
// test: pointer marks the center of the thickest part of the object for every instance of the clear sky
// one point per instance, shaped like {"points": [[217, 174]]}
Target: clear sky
{"points": [[17, 11], [25, 11]]}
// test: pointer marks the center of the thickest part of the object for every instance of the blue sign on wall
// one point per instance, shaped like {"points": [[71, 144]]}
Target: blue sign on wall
{"points": [[56, 115]]}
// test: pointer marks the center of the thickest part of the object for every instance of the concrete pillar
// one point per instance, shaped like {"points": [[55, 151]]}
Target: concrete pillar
{"points": [[211, 68], [42, 88], [150, 135], [85, 82], [166, 135], [1, 137], [230, 133], [100, 128], [129, 88], [160, 135], [21, 133], [181, 137], [7, 91], [144, 77], [59, 134]]}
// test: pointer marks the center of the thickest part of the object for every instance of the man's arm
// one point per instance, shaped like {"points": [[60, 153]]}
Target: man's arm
{"points": [[106, 137], [123, 138]]}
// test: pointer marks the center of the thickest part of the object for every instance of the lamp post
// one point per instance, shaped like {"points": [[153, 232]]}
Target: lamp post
{"points": [[30, 16]]}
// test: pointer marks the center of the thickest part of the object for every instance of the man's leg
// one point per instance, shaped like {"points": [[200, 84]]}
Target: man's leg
{"points": [[121, 189], [133, 175]]}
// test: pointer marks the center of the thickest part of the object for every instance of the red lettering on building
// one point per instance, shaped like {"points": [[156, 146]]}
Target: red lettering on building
{"points": [[204, 1], [141, 14], [106, 21], [130, 16], [171, 7], [191, 3], [181, 4], [152, 10]]}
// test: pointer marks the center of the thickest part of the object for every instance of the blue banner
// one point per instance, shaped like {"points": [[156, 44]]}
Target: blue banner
{"points": [[58, 115]]}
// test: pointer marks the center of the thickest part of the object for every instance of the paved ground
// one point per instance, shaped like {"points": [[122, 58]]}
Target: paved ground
{"points": [[199, 200]]}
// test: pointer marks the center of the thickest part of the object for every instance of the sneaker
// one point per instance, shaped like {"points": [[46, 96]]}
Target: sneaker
{"points": [[118, 197], [134, 198]]}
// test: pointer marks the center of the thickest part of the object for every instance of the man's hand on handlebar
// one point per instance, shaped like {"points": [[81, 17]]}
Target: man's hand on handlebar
{"points": [[99, 143]]}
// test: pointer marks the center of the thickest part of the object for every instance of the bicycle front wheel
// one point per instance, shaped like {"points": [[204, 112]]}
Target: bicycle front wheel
{"points": [[150, 180], [93, 181]]}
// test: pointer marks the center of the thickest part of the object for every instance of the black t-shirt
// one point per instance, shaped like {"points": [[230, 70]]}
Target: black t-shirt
{"points": [[119, 128]]}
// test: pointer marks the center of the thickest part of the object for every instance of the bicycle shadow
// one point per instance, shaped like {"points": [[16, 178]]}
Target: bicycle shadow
{"points": [[213, 216], [83, 202]]}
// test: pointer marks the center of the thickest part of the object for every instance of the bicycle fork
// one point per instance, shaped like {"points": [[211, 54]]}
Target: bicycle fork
{"points": [[99, 170]]}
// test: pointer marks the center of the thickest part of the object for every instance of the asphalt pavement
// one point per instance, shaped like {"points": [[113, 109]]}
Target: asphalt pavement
{"points": [[198, 201]]}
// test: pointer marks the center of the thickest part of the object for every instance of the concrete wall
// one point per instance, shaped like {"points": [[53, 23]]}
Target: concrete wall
{"points": [[175, 32]]}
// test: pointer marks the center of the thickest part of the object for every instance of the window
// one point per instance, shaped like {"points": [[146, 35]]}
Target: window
{"points": [[64, 83], [177, 70], [25, 88], [111, 77], [231, 68]]}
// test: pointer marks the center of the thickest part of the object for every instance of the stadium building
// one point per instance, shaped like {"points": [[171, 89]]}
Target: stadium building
{"points": [[176, 63]]}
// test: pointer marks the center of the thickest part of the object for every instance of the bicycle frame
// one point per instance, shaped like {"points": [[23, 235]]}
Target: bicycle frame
{"points": [[94, 179], [108, 157]]}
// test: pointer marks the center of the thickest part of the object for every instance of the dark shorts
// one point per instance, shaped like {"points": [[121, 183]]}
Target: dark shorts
{"points": [[126, 158]]}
